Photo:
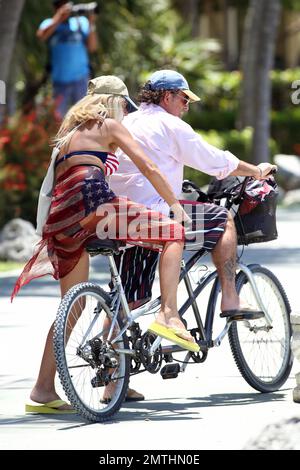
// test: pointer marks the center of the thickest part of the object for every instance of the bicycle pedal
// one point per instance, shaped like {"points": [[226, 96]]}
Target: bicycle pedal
{"points": [[247, 316], [170, 371], [98, 381]]}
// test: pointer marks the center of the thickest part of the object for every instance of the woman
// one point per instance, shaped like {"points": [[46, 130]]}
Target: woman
{"points": [[87, 139]]}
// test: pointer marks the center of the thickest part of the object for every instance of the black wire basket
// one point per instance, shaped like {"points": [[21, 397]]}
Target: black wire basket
{"points": [[255, 218]]}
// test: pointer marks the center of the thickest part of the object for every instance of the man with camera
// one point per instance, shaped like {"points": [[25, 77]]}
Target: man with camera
{"points": [[70, 37]]}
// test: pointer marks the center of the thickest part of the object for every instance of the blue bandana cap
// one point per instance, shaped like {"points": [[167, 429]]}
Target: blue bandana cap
{"points": [[170, 80]]}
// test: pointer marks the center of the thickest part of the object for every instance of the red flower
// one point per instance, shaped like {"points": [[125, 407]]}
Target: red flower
{"points": [[24, 138], [24, 158], [4, 140], [14, 186], [31, 116], [5, 133]]}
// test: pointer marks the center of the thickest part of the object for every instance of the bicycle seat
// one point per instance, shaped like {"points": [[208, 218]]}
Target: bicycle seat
{"points": [[102, 247]]}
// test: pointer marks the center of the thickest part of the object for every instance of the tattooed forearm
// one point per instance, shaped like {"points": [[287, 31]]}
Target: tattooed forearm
{"points": [[229, 269]]}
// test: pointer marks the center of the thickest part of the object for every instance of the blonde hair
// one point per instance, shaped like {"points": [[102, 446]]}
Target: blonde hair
{"points": [[91, 107]]}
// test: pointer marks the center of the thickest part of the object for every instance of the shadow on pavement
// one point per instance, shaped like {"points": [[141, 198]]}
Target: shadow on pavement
{"points": [[152, 410]]}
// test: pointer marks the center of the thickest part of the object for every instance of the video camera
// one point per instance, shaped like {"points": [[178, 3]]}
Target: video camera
{"points": [[83, 8]]}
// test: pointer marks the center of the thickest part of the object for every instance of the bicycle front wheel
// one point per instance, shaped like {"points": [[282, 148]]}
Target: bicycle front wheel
{"points": [[262, 352], [86, 360]]}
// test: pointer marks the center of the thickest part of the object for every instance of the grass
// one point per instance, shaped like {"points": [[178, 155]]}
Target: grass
{"points": [[9, 266]]}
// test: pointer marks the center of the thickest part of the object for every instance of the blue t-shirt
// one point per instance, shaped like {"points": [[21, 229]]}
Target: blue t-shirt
{"points": [[68, 51]]}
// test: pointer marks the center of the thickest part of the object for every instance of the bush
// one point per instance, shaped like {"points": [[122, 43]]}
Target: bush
{"points": [[220, 93], [282, 87], [220, 90], [285, 129], [24, 158]]}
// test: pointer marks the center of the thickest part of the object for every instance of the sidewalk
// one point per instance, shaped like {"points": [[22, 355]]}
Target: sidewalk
{"points": [[208, 407]]}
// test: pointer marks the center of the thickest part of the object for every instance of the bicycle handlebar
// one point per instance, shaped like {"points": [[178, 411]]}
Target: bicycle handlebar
{"points": [[189, 187], [238, 197]]}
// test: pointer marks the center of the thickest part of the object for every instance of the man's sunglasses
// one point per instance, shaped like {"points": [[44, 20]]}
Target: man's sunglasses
{"points": [[182, 96]]}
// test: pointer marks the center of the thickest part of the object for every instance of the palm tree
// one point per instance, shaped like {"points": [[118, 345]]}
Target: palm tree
{"points": [[250, 45], [189, 10], [10, 12], [262, 97], [257, 59]]}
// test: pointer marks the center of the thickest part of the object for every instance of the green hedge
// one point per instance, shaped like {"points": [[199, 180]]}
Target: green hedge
{"points": [[285, 130], [220, 90], [285, 126], [218, 108]]}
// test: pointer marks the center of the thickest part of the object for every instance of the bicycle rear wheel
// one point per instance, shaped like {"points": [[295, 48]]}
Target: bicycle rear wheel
{"points": [[86, 361], [263, 353]]}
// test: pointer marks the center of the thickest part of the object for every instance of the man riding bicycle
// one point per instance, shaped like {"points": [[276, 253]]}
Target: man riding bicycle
{"points": [[172, 143]]}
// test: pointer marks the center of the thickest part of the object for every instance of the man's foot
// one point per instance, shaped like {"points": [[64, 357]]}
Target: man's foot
{"points": [[242, 314], [234, 308], [131, 395]]}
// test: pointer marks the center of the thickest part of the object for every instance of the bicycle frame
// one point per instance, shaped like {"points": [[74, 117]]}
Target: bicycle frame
{"points": [[205, 331]]}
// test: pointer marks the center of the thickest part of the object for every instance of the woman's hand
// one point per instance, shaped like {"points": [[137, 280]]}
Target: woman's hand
{"points": [[180, 215]]}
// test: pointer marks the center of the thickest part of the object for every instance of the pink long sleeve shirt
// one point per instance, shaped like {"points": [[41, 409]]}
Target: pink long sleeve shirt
{"points": [[171, 144]]}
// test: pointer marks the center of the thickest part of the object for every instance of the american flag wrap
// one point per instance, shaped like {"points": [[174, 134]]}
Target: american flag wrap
{"points": [[84, 208]]}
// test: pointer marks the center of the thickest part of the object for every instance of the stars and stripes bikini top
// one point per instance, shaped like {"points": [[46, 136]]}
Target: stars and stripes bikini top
{"points": [[111, 162]]}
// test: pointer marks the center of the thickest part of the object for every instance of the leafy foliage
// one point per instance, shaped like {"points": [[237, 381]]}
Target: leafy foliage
{"points": [[136, 37], [24, 158]]}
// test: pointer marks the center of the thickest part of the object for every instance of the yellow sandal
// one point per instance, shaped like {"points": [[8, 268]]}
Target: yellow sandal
{"points": [[169, 334]]}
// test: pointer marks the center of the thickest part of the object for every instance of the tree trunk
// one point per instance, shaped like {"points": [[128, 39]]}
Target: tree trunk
{"points": [[10, 12], [263, 66], [189, 9], [250, 46], [224, 8]]}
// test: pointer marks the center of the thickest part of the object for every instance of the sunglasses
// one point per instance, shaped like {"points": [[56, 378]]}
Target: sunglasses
{"points": [[182, 96]]}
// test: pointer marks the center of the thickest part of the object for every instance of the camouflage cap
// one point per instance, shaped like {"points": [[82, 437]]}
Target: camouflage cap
{"points": [[110, 85]]}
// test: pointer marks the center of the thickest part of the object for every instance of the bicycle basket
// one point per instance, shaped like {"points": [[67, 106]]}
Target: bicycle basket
{"points": [[255, 219]]}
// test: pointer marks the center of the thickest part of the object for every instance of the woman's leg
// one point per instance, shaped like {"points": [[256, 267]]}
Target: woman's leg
{"points": [[44, 388], [169, 271]]}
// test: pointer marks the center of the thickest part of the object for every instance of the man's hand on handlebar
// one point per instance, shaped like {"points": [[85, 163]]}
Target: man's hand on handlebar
{"points": [[265, 170]]}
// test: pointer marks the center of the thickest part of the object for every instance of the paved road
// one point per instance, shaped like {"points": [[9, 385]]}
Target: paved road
{"points": [[208, 407]]}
